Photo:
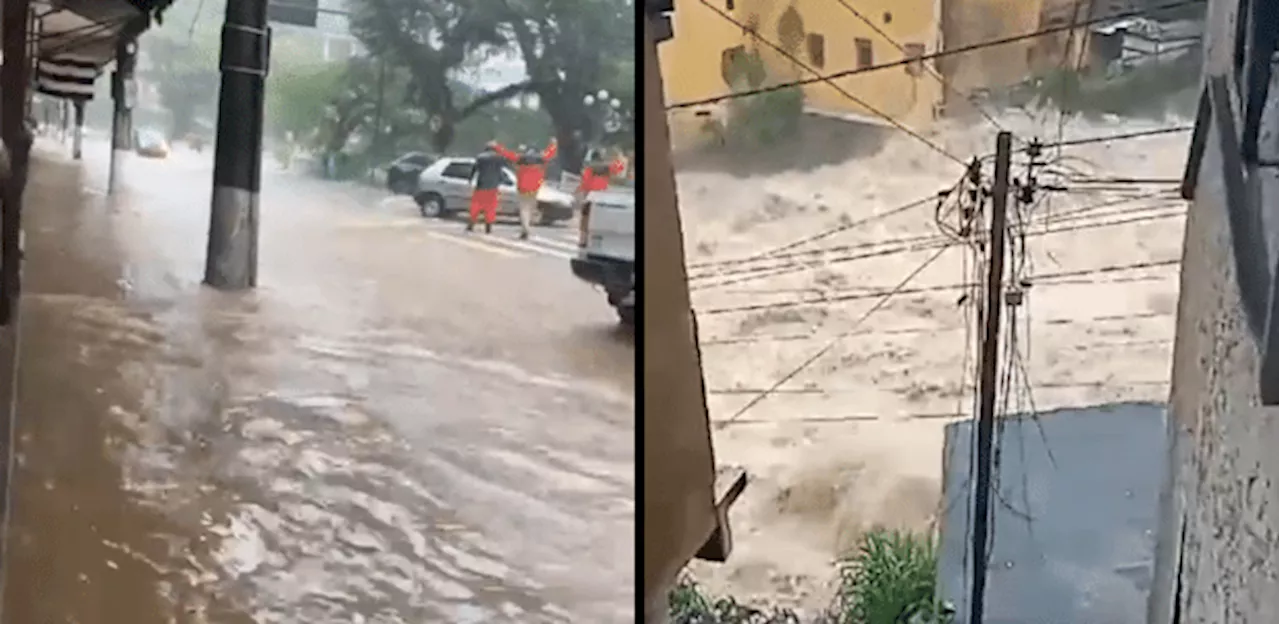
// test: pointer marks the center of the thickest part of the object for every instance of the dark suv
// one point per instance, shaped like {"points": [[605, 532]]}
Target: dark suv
{"points": [[403, 172]]}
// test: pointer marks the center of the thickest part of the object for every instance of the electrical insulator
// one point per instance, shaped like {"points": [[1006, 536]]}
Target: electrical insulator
{"points": [[1026, 193], [1034, 149]]}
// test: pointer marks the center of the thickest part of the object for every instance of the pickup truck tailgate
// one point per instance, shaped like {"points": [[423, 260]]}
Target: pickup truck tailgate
{"points": [[611, 226]]}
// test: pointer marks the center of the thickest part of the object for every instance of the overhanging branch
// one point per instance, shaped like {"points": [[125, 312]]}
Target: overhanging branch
{"points": [[495, 96]]}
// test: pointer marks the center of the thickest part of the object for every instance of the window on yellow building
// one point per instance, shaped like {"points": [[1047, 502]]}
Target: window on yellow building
{"points": [[914, 51], [731, 61], [817, 45], [790, 30], [728, 5], [863, 48]]}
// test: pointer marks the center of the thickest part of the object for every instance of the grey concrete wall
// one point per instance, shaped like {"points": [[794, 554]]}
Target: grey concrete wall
{"points": [[1217, 558]]}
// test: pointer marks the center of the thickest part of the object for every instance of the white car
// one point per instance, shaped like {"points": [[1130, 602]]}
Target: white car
{"points": [[444, 189]]}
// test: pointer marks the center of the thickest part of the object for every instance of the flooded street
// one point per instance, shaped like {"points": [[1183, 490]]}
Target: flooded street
{"points": [[401, 424]]}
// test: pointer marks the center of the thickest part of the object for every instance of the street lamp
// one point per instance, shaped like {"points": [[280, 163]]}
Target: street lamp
{"points": [[605, 111]]}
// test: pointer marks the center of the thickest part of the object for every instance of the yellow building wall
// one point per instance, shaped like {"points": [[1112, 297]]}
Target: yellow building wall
{"points": [[898, 92], [906, 93], [972, 22], [691, 71], [691, 60]]}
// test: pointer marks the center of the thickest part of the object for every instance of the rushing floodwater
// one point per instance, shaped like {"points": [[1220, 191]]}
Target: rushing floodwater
{"points": [[392, 428]]}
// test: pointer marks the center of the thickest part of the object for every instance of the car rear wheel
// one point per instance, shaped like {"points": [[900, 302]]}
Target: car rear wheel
{"points": [[542, 216], [627, 315], [394, 184], [430, 205]]}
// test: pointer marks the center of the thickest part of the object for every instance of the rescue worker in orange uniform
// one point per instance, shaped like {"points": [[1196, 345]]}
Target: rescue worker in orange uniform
{"points": [[487, 176], [530, 173], [596, 174]]}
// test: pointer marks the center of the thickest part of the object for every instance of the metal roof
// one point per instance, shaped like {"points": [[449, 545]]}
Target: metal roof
{"points": [[1073, 519], [86, 29]]}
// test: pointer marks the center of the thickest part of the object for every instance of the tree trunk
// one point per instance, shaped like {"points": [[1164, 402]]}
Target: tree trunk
{"points": [[569, 149], [568, 121], [441, 139]]}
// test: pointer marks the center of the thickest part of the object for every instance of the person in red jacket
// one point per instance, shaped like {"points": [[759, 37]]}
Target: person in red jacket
{"points": [[530, 172], [596, 174]]}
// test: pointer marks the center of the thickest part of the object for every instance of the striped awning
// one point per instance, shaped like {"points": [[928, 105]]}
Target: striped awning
{"points": [[67, 76]]}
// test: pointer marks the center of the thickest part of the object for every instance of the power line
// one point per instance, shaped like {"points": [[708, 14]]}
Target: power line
{"points": [[1071, 215], [752, 274], [897, 124], [1056, 281], [1108, 318], [1050, 385], [775, 254], [832, 232], [827, 300], [1120, 181], [927, 57], [1119, 137], [901, 416], [756, 273], [834, 341]]}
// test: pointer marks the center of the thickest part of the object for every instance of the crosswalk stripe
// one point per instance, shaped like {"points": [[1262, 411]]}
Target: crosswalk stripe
{"points": [[569, 245], [526, 246], [375, 224], [454, 238]]}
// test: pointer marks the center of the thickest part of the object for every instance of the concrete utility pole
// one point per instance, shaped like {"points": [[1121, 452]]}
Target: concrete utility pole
{"points": [[77, 135], [987, 377], [122, 95], [231, 262]]}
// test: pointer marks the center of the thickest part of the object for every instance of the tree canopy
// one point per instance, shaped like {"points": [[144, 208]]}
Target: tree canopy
{"points": [[415, 76], [569, 49]]}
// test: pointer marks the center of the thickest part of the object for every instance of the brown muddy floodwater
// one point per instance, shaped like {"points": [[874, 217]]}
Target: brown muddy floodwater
{"points": [[400, 424]]}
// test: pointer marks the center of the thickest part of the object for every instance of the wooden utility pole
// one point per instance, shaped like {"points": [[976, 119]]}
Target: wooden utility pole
{"points": [[987, 376]]}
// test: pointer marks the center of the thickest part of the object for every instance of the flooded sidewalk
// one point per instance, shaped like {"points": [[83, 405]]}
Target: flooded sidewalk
{"points": [[352, 442]]}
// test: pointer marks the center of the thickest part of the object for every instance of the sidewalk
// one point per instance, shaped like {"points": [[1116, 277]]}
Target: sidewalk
{"points": [[80, 547]]}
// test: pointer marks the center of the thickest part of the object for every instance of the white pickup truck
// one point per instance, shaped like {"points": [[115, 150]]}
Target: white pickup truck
{"points": [[607, 248]]}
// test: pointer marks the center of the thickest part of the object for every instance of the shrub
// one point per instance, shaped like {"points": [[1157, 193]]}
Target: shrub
{"points": [[688, 604], [890, 580], [765, 120], [756, 121]]}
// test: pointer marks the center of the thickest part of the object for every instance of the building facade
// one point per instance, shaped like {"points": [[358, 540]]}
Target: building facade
{"points": [[805, 38], [1216, 558]]}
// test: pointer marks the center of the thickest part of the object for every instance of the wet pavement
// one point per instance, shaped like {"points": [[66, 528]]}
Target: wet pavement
{"points": [[401, 424]]}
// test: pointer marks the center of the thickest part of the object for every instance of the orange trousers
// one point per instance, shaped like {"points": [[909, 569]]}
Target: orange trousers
{"points": [[485, 200]]}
